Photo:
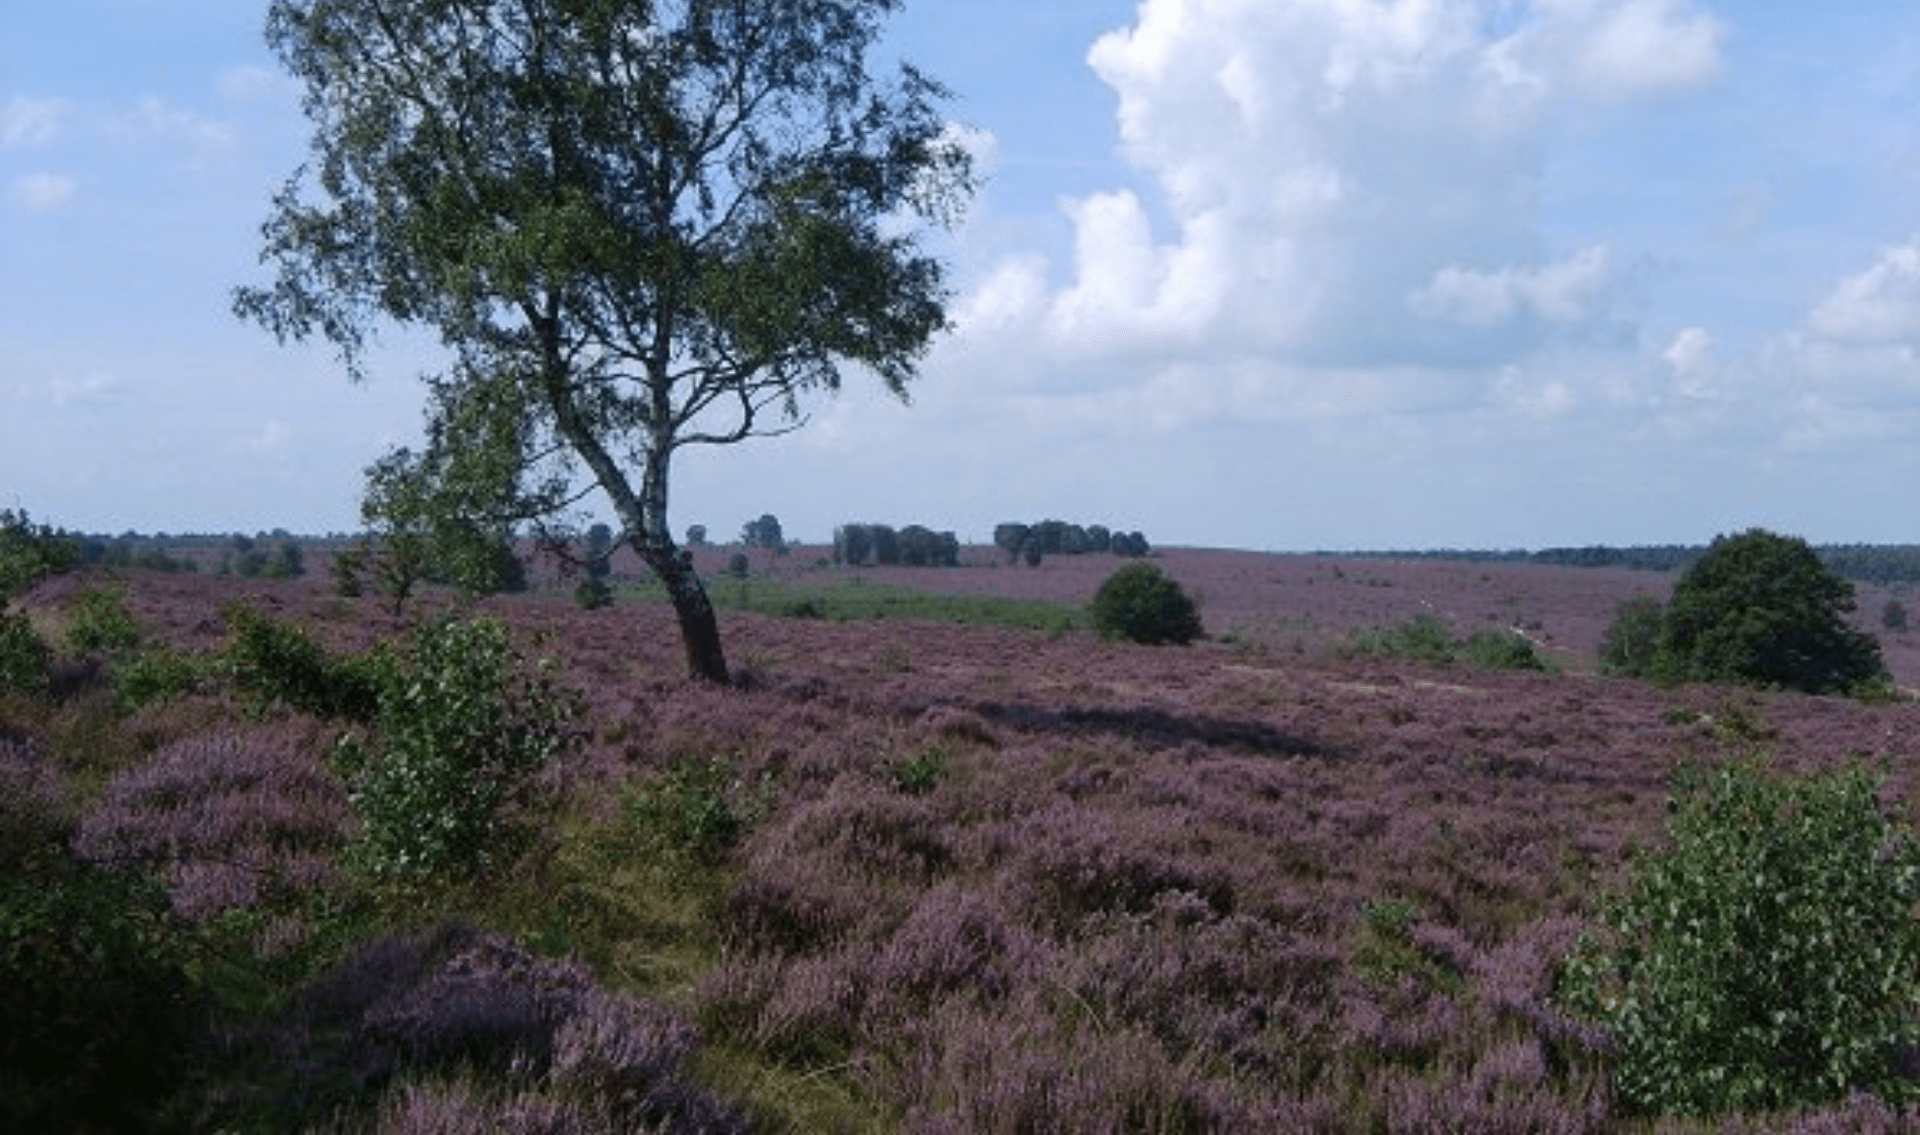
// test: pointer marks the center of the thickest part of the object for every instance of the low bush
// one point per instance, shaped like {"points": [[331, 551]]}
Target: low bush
{"points": [[462, 725], [102, 622], [155, 675], [280, 663], [1426, 638], [699, 810], [1501, 650], [1141, 604], [1768, 956], [97, 1008], [26, 662], [1423, 638]]}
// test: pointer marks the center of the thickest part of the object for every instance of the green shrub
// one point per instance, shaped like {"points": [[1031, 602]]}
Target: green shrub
{"points": [[154, 675], [279, 663], [29, 551], [101, 621], [593, 593], [699, 810], [26, 663], [1893, 616], [1768, 957], [1763, 610], [461, 728], [1140, 604], [97, 1009], [1631, 646], [1423, 637], [1501, 650]]}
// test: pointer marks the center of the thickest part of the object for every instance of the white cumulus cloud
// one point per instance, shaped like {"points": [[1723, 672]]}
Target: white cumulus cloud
{"points": [[1612, 48], [1880, 305], [1564, 292], [1342, 186]]}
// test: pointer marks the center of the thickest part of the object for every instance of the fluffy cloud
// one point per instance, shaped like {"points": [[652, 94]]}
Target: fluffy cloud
{"points": [[1611, 48], [39, 192], [1878, 306], [1566, 293], [1343, 186]]}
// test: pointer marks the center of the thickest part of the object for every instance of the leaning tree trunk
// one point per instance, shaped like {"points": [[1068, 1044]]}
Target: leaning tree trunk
{"points": [[699, 628]]}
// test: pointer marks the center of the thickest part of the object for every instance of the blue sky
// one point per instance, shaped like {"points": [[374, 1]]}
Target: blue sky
{"points": [[1286, 274]]}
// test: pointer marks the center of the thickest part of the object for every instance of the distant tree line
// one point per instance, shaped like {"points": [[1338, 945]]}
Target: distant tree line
{"points": [[1862, 563], [1034, 542], [914, 545]]}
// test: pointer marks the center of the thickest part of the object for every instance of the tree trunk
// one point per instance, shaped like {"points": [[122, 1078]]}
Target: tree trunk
{"points": [[699, 628]]}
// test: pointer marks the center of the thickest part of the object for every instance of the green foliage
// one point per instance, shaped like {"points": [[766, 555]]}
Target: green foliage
{"points": [[918, 773], [599, 320], [1141, 604], [280, 663], [97, 1008], [1768, 956], [155, 675], [1893, 616], [102, 622], [593, 594], [1426, 638], [349, 572], [699, 810], [432, 513], [462, 725], [1501, 650], [26, 662], [1387, 955], [30, 551], [1631, 646], [1761, 609]]}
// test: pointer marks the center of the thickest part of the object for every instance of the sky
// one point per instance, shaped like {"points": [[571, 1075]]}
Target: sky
{"points": [[1268, 274]]}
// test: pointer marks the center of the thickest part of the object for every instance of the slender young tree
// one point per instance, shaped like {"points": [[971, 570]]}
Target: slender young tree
{"points": [[636, 226]]}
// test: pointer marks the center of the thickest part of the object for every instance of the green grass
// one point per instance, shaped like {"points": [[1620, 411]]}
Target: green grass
{"points": [[860, 600]]}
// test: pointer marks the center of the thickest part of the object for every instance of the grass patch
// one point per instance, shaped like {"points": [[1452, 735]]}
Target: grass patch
{"points": [[862, 600]]}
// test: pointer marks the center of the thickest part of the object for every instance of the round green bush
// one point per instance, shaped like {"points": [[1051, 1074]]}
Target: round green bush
{"points": [[1767, 957], [1141, 604], [1761, 609]]}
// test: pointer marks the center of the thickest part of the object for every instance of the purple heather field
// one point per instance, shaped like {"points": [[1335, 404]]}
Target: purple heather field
{"points": [[998, 879]]}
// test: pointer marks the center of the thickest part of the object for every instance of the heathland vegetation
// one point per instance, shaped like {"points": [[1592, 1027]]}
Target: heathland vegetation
{"points": [[1380, 849]]}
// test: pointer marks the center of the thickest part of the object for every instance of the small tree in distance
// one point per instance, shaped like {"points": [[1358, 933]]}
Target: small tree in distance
{"points": [[1143, 605]]}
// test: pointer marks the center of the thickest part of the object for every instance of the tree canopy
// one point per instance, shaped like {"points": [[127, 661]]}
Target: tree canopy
{"points": [[1761, 609], [635, 225]]}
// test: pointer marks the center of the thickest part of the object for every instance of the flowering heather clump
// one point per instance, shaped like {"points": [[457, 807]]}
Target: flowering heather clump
{"points": [[230, 821], [34, 812], [565, 1054]]}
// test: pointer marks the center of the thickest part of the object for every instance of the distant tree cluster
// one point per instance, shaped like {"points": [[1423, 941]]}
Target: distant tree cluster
{"points": [[912, 546], [763, 533], [132, 551], [1756, 609], [1034, 542], [1862, 563], [272, 556]]}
